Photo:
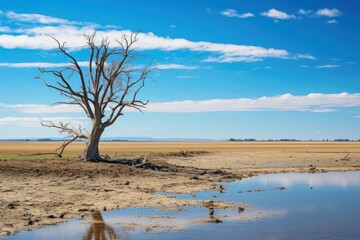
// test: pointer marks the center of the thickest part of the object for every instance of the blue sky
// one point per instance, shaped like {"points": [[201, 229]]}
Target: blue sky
{"points": [[264, 69]]}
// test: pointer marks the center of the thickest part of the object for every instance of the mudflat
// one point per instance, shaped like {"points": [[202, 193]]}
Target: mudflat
{"points": [[42, 190]]}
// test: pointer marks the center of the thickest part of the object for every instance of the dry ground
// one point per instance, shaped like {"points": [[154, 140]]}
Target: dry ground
{"points": [[36, 192]]}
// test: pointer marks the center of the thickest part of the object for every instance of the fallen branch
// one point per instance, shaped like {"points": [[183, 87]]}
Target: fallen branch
{"points": [[346, 158], [39, 154]]}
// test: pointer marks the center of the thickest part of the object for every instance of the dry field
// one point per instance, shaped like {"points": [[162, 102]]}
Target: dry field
{"points": [[41, 190], [10, 150]]}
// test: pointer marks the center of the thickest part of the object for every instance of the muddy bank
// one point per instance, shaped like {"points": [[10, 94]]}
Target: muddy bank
{"points": [[35, 193]]}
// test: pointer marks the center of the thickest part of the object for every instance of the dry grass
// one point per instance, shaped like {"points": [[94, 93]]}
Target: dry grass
{"points": [[10, 150]]}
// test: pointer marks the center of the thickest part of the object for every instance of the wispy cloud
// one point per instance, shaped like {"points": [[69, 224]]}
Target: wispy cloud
{"points": [[175, 66], [324, 110], [273, 13], [35, 122], [41, 108], [328, 66], [184, 77], [35, 18], [332, 21], [85, 64], [30, 37], [5, 29], [325, 12], [233, 13], [39, 64], [305, 12], [39, 38], [313, 102], [305, 56]]}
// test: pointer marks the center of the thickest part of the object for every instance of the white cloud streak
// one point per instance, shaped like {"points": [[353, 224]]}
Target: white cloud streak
{"points": [[40, 65], [313, 102], [305, 56], [328, 66], [175, 66], [35, 122], [39, 38], [332, 21], [5, 29], [325, 12], [85, 64], [30, 37], [273, 13], [35, 18], [234, 13], [305, 12], [41, 108]]}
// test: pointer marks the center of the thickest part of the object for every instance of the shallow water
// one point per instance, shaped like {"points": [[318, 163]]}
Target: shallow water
{"points": [[283, 206]]}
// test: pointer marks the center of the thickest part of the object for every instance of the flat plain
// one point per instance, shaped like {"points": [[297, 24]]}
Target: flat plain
{"points": [[42, 190]]}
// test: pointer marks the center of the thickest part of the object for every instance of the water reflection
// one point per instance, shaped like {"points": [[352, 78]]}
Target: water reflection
{"points": [[328, 211], [99, 230], [334, 179]]}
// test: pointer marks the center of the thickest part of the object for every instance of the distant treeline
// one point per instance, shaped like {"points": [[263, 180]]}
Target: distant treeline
{"points": [[290, 140]]}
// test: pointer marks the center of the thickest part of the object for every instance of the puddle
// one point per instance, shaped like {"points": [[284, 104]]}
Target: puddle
{"points": [[283, 206]]}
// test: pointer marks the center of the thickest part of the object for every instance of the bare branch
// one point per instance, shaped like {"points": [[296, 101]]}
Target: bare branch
{"points": [[103, 90]]}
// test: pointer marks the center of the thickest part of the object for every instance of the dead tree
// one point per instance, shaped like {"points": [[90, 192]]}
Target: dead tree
{"points": [[103, 88]]}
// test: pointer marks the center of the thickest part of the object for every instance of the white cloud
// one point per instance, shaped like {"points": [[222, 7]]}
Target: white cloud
{"points": [[313, 102], [35, 18], [184, 77], [229, 59], [273, 13], [234, 13], [85, 64], [332, 21], [305, 12], [39, 38], [246, 15], [305, 66], [5, 29], [35, 122], [41, 108], [287, 102], [40, 64], [29, 37], [324, 110], [328, 66], [325, 12], [172, 26], [175, 66], [305, 56]]}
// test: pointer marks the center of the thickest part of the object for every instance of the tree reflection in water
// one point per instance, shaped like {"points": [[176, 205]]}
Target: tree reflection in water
{"points": [[99, 230]]}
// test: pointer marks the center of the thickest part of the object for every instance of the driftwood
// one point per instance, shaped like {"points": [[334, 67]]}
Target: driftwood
{"points": [[346, 158]]}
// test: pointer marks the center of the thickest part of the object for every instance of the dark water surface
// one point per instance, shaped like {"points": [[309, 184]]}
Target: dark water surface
{"points": [[283, 206]]}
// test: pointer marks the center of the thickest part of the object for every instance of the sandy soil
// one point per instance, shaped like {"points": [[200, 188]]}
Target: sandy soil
{"points": [[35, 193]]}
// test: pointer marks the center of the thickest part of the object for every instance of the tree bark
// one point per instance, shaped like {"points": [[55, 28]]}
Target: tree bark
{"points": [[91, 152]]}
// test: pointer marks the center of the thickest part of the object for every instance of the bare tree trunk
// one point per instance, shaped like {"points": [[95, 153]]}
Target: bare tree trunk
{"points": [[91, 152], [107, 86]]}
